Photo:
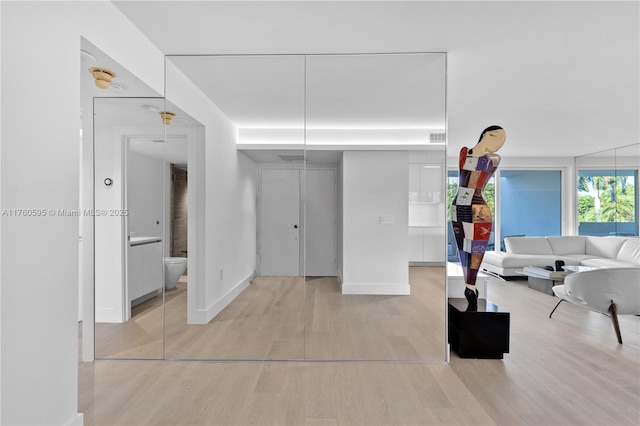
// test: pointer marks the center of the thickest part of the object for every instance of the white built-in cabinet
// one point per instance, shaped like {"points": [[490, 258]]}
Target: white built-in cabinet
{"points": [[145, 268], [427, 232]]}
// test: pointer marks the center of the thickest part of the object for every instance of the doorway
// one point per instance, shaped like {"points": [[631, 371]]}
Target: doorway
{"points": [[287, 229]]}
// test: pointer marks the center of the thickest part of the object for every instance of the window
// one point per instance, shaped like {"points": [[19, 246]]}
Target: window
{"points": [[452, 190], [607, 202], [530, 203]]}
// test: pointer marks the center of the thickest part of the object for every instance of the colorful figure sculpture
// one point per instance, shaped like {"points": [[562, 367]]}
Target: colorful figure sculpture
{"points": [[470, 215]]}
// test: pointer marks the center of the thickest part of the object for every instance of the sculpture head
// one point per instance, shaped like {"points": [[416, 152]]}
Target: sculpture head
{"points": [[491, 140]]}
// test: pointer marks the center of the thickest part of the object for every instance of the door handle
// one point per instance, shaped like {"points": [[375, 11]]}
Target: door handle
{"points": [[295, 226]]}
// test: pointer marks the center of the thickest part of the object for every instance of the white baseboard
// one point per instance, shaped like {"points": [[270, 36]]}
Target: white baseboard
{"points": [[76, 420], [203, 316], [110, 315], [394, 289]]}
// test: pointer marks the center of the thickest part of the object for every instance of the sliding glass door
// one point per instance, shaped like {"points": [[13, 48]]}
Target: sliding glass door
{"points": [[607, 201], [530, 203], [524, 202]]}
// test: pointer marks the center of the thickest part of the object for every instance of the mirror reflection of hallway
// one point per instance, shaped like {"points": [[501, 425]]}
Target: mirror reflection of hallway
{"points": [[130, 230], [343, 285], [280, 224], [297, 216]]}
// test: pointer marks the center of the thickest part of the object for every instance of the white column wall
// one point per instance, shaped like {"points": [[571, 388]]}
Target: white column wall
{"points": [[40, 170], [109, 267], [375, 254]]}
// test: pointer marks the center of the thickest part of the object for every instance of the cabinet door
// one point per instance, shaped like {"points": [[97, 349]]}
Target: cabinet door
{"points": [[134, 272], [430, 183], [152, 267], [434, 244], [416, 245], [414, 182]]}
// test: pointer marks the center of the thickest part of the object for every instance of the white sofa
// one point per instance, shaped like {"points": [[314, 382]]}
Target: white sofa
{"points": [[602, 252]]}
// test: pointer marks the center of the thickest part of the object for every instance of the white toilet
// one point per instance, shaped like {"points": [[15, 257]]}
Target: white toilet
{"points": [[173, 269]]}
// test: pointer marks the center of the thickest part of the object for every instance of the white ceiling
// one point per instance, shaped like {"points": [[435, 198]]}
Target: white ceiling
{"points": [[560, 77], [132, 105], [323, 92]]}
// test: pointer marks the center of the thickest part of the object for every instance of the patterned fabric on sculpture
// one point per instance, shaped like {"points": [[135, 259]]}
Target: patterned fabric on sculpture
{"points": [[471, 217]]}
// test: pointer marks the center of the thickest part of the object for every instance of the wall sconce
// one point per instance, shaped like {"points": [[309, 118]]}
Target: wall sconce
{"points": [[167, 116], [102, 76]]}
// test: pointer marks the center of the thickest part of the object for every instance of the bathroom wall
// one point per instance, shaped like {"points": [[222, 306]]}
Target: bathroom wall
{"points": [[375, 214], [179, 212]]}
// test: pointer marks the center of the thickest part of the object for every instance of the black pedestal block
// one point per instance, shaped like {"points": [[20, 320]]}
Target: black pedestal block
{"points": [[482, 333]]}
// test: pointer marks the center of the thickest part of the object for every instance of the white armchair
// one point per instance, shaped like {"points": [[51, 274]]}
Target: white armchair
{"points": [[610, 291]]}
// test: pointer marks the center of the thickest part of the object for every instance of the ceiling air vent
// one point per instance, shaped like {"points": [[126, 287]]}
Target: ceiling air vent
{"points": [[291, 157], [437, 137]]}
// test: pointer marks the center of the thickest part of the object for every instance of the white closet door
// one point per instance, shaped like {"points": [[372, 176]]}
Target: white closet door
{"points": [[280, 223], [320, 245]]}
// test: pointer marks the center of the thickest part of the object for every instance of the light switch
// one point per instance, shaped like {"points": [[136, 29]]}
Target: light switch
{"points": [[387, 219]]}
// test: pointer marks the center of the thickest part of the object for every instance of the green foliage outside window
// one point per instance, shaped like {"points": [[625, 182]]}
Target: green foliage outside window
{"points": [[452, 190], [606, 199]]}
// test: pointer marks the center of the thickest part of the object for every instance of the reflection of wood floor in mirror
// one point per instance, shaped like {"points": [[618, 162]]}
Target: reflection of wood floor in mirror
{"points": [[280, 318], [377, 327], [141, 336]]}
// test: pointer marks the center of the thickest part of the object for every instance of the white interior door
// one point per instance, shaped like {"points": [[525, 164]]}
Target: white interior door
{"points": [[280, 222], [320, 244]]}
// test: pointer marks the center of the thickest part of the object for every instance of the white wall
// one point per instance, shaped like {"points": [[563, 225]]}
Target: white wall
{"points": [[109, 250], [375, 254], [39, 169], [340, 221]]}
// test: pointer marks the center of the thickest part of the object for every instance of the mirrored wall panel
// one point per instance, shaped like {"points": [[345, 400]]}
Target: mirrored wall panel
{"points": [[315, 219], [375, 230], [141, 156], [607, 182], [248, 298], [130, 193]]}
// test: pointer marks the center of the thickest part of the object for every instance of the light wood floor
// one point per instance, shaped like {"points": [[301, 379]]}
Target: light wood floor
{"points": [[566, 370], [288, 318]]}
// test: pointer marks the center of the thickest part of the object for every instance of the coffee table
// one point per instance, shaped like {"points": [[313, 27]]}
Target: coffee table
{"points": [[541, 283], [574, 268], [545, 284]]}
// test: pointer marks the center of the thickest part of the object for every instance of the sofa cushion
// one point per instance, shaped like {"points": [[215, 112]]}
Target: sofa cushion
{"points": [[581, 258], [630, 251], [510, 260], [528, 245], [600, 262], [568, 244], [608, 247]]}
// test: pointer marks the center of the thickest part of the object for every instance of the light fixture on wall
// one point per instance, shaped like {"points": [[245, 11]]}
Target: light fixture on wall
{"points": [[167, 116], [102, 76]]}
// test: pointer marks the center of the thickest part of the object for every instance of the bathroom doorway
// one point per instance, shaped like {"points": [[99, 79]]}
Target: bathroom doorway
{"points": [[179, 210]]}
